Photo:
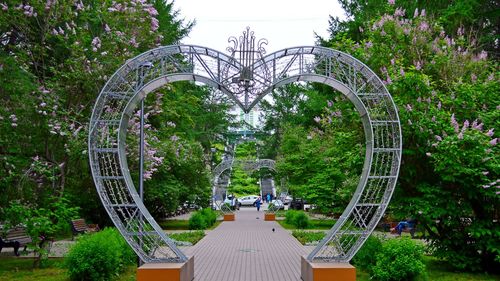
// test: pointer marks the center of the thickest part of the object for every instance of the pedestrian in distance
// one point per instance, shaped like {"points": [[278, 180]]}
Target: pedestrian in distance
{"points": [[257, 203]]}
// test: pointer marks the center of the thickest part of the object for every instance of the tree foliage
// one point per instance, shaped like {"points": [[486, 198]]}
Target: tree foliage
{"points": [[55, 56], [443, 84]]}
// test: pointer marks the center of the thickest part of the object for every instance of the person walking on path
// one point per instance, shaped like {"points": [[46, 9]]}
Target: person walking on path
{"points": [[268, 198], [257, 203]]}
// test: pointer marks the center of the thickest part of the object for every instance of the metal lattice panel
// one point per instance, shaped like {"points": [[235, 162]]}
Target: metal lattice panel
{"points": [[246, 82]]}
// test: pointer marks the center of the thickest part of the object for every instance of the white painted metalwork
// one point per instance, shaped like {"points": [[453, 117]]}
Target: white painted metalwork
{"points": [[246, 77]]}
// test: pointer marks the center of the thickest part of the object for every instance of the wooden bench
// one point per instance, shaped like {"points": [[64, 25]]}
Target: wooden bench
{"points": [[80, 226], [16, 238]]}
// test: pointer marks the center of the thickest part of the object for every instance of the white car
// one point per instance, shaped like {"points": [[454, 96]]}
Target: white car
{"points": [[248, 200], [278, 204]]}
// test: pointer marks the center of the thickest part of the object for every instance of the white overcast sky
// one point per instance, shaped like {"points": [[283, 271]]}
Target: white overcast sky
{"points": [[284, 23]]}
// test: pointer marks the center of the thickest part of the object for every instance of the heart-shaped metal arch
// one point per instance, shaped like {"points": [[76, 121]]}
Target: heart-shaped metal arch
{"points": [[131, 83]]}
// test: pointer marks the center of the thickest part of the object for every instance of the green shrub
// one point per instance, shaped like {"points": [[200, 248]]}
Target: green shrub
{"points": [[98, 256], [301, 220], [305, 237], [399, 259], [210, 216], [290, 216], [197, 221], [366, 257]]}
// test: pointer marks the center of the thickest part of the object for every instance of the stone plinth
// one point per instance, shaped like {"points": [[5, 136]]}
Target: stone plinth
{"points": [[315, 271], [167, 271], [229, 217], [269, 217]]}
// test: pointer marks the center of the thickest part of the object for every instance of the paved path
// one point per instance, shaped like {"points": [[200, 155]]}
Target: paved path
{"points": [[247, 249]]}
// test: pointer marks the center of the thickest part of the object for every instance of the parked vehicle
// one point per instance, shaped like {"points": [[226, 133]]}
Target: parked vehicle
{"points": [[297, 204], [278, 204], [248, 200], [286, 199], [229, 201]]}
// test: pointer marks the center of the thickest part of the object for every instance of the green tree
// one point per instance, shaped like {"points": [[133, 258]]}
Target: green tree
{"points": [[442, 85]]}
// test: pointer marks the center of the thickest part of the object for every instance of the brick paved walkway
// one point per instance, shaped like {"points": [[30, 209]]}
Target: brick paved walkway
{"points": [[247, 249]]}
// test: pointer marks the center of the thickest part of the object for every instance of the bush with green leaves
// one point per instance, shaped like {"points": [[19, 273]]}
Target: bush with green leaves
{"points": [[98, 256], [210, 216], [299, 219], [197, 221], [398, 259], [365, 258], [289, 216]]}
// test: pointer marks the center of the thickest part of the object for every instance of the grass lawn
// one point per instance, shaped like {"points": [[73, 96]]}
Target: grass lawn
{"points": [[13, 268], [313, 224], [439, 270], [22, 269], [181, 225], [190, 236]]}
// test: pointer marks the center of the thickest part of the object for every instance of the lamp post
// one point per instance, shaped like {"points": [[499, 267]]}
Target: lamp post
{"points": [[141, 73]]}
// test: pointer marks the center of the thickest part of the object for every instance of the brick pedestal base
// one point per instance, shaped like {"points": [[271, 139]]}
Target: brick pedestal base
{"points": [[167, 271], [312, 271], [229, 217], [269, 217]]}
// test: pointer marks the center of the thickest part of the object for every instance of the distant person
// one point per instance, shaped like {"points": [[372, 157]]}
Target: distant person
{"points": [[268, 197], [257, 203]]}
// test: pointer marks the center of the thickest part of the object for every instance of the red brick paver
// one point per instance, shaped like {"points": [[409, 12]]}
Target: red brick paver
{"points": [[247, 249]]}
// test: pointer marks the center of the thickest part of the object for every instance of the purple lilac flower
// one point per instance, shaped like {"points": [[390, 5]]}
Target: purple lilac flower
{"points": [[418, 65], [466, 124], [454, 122], [151, 11], [490, 132], [424, 26], [369, 44], [399, 12], [96, 44], [415, 14], [79, 6], [483, 55], [317, 119], [155, 24], [494, 141], [391, 2]]}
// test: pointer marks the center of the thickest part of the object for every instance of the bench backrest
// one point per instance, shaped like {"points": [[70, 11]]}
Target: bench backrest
{"points": [[79, 225], [16, 234]]}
